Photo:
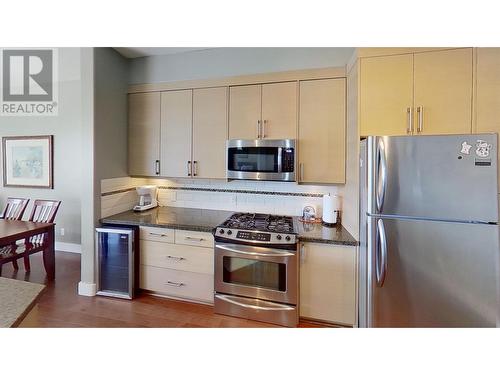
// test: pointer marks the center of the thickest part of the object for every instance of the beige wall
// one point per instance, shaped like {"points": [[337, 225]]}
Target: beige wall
{"points": [[67, 131]]}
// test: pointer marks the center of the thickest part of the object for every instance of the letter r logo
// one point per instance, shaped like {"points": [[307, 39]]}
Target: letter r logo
{"points": [[27, 75]]}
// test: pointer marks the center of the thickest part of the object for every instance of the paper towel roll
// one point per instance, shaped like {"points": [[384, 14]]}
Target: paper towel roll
{"points": [[331, 204], [328, 215]]}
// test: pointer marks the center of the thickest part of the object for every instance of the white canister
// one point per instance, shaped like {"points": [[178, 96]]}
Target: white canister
{"points": [[331, 208]]}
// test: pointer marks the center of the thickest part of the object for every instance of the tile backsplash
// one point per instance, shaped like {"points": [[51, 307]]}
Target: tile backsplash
{"points": [[282, 198]]}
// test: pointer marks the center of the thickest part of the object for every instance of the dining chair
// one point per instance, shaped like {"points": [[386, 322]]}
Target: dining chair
{"points": [[14, 208], [43, 211]]}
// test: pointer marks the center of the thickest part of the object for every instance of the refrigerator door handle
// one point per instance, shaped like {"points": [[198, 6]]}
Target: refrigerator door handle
{"points": [[381, 254], [381, 174]]}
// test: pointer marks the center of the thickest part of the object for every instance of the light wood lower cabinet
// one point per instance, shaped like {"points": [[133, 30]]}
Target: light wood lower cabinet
{"points": [[322, 131], [178, 284], [328, 283], [177, 263]]}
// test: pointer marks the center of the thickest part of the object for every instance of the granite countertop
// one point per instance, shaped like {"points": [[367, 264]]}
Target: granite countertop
{"points": [[317, 232], [196, 219], [202, 220], [17, 298]]}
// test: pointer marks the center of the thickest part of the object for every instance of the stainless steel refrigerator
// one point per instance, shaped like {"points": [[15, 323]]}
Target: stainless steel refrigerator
{"points": [[429, 253]]}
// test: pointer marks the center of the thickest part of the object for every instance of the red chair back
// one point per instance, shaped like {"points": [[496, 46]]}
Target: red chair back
{"points": [[15, 208]]}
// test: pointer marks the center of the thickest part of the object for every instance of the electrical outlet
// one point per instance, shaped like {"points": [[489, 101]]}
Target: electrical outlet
{"points": [[62, 232]]}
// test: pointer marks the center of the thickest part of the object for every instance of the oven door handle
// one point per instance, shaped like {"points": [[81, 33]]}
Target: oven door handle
{"points": [[268, 254], [278, 307]]}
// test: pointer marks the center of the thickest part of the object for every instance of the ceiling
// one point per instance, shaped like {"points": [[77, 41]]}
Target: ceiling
{"points": [[133, 52]]}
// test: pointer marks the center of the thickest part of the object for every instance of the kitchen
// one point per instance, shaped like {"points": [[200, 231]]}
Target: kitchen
{"points": [[208, 183]]}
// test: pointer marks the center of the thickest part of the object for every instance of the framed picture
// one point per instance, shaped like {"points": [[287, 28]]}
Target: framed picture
{"points": [[28, 161]]}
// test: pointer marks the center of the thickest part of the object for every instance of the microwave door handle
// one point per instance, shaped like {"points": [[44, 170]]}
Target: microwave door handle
{"points": [[254, 253], [280, 159]]}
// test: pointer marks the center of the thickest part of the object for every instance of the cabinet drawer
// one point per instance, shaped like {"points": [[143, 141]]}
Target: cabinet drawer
{"points": [[157, 234], [191, 238], [178, 257], [181, 284]]}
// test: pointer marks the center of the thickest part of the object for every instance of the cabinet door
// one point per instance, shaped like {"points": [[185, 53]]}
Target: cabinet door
{"points": [[244, 111], [386, 95], [488, 92], [443, 88], [143, 133], [209, 132], [176, 129], [322, 131], [279, 110], [328, 283]]}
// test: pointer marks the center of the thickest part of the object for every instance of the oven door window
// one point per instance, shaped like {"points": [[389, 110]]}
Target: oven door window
{"points": [[254, 273], [253, 159]]}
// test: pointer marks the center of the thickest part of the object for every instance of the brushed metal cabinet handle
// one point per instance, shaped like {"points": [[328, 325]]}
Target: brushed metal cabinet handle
{"points": [[264, 129], [189, 238], [171, 257], [157, 167], [409, 127], [172, 283], [301, 171], [195, 168], [258, 129], [420, 115], [189, 168]]}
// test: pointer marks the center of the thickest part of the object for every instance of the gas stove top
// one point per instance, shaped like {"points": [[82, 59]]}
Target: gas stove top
{"points": [[257, 228]]}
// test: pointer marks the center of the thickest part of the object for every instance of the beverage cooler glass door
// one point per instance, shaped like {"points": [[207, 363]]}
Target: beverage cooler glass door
{"points": [[115, 262]]}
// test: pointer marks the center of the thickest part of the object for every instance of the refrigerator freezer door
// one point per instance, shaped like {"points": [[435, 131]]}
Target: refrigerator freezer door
{"points": [[437, 274], [436, 177]]}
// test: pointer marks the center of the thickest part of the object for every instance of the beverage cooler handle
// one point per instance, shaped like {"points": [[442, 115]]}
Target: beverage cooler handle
{"points": [[382, 174], [381, 254]]}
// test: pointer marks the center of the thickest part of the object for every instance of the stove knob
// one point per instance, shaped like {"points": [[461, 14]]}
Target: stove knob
{"points": [[229, 232], [278, 237], [287, 238], [221, 231]]}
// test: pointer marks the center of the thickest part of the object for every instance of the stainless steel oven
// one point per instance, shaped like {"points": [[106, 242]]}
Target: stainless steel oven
{"points": [[257, 283], [261, 159]]}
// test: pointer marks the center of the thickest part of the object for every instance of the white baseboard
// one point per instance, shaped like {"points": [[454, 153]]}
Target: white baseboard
{"points": [[87, 289], [69, 247]]}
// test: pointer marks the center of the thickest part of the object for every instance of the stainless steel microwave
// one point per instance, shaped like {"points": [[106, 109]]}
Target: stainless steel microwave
{"points": [[261, 159]]}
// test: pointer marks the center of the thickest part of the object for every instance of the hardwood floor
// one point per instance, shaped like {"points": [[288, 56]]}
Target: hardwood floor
{"points": [[61, 306]]}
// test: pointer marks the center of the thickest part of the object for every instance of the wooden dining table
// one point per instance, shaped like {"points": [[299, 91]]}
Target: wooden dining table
{"points": [[15, 230]]}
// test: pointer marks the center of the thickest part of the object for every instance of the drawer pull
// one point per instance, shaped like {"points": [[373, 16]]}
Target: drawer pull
{"points": [[189, 238], [175, 258], [158, 234], [177, 285]]}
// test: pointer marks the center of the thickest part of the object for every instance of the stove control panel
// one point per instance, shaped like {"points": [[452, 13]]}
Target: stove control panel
{"points": [[238, 235]]}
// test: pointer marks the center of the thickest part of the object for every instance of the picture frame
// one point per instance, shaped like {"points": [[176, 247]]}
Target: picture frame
{"points": [[28, 161]]}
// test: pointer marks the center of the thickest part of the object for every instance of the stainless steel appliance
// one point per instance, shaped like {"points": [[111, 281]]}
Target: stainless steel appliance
{"points": [[261, 159], [117, 258], [429, 253], [256, 268]]}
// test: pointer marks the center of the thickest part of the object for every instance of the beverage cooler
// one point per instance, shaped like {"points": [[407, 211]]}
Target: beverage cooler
{"points": [[117, 261]]}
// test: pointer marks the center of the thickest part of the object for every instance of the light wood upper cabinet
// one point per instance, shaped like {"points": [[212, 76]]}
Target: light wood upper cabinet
{"points": [[328, 283], [143, 133], [176, 128], [245, 104], [322, 131], [443, 91], [386, 94], [209, 132], [279, 110], [266, 111], [417, 93], [488, 92]]}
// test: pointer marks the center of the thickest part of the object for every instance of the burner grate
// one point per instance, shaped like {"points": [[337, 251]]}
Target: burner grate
{"points": [[264, 222]]}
